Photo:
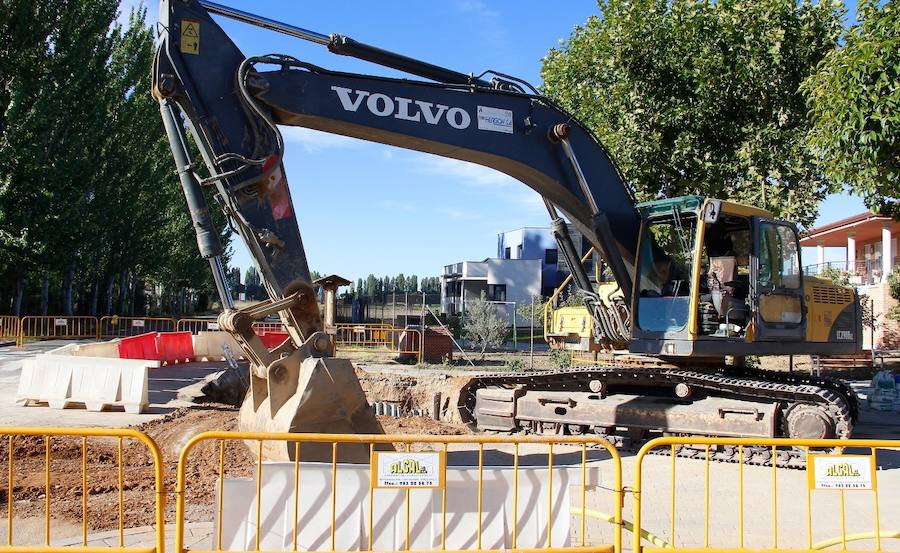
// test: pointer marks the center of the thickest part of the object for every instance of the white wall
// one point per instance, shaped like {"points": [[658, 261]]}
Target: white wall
{"points": [[522, 278]]}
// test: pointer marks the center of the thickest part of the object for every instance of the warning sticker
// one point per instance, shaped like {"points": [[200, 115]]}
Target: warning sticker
{"points": [[137, 323], [60, 322], [190, 36], [408, 470], [841, 472]]}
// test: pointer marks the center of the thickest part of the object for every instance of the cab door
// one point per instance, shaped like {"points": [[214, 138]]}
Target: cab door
{"points": [[777, 283]]}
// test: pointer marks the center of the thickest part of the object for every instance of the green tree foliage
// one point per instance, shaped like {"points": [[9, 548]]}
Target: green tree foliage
{"points": [[370, 286], [701, 97], [251, 277], [854, 100], [483, 327], [89, 204]]}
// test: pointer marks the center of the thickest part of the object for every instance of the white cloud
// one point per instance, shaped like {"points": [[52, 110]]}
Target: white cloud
{"points": [[458, 214], [314, 141], [467, 174], [477, 7], [398, 205]]}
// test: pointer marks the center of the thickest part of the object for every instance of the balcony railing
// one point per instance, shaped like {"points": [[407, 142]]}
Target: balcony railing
{"points": [[862, 272]]}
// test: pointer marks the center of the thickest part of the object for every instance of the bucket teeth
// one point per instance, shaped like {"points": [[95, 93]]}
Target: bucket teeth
{"points": [[317, 395]]}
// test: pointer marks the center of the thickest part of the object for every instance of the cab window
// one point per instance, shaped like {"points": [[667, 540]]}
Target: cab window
{"points": [[779, 258], [664, 276]]}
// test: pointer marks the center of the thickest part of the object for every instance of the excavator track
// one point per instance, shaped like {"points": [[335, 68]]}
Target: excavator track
{"points": [[795, 398]]}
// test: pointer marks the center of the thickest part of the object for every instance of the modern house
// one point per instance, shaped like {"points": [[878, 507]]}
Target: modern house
{"points": [[539, 243], [528, 264], [869, 243], [509, 282]]}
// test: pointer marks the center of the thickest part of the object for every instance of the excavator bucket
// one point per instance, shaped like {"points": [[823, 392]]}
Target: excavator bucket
{"points": [[316, 395]]}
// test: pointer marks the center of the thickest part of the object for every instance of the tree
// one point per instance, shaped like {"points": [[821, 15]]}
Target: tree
{"points": [[483, 326], [524, 310], [370, 286], [252, 278], [412, 284], [400, 283], [854, 101], [701, 97]]}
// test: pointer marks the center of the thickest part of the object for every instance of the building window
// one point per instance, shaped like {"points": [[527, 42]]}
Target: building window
{"points": [[519, 251], [497, 292], [506, 253], [551, 257]]}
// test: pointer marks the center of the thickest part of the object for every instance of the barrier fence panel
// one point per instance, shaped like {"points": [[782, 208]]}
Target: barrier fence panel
{"points": [[774, 495], [9, 326], [384, 337], [88, 488], [342, 492], [122, 327], [56, 327], [196, 326], [268, 326]]}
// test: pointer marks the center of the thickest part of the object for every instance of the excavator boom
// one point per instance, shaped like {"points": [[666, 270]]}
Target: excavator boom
{"points": [[233, 106]]}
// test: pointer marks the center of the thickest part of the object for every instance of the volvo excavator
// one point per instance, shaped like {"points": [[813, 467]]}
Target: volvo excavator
{"points": [[697, 280]]}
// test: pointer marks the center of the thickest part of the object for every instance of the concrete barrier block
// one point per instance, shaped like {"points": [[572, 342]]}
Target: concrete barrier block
{"points": [[210, 345], [99, 349], [96, 382], [68, 349]]}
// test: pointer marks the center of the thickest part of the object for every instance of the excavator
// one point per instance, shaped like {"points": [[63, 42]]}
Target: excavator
{"points": [[697, 281]]}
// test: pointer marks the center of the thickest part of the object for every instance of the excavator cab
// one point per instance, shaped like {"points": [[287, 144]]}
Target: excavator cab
{"points": [[717, 278]]}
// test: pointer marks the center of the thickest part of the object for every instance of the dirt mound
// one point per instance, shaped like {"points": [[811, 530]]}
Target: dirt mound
{"points": [[101, 475]]}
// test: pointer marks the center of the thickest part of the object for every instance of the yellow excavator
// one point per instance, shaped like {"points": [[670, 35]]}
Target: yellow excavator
{"points": [[695, 279]]}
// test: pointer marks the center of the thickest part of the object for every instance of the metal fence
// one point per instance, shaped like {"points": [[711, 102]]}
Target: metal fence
{"points": [[379, 337], [68, 446], [329, 493], [56, 327], [196, 326], [754, 504], [9, 326], [122, 327]]}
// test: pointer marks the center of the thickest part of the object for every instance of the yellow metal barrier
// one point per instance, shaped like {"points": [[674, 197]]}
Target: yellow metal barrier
{"points": [[56, 327], [115, 326], [516, 454], [9, 327], [30, 452], [368, 337], [772, 508], [195, 326]]}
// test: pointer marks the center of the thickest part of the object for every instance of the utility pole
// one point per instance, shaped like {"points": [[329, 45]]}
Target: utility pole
{"points": [[531, 353]]}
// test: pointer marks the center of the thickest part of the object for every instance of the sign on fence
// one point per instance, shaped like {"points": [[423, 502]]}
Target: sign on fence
{"points": [[841, 472], [408, 470], [60, 322]]}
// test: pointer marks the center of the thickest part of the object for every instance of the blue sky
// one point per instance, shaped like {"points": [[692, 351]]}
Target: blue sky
{"points": [[367, 208]]}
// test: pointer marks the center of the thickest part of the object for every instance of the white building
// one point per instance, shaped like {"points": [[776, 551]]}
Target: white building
{"points": [[509, 282]]}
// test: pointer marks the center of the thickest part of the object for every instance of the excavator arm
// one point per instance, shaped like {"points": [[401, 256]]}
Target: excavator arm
{"points": [[232, 106]]}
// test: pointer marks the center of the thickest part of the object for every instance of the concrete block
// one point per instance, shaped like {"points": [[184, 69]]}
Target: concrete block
{"points": [[210, 345], [96, 382], [313, 529], [99, 349]]}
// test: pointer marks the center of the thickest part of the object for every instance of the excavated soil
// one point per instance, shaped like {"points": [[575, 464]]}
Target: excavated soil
{"points": [[101, 466]]}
